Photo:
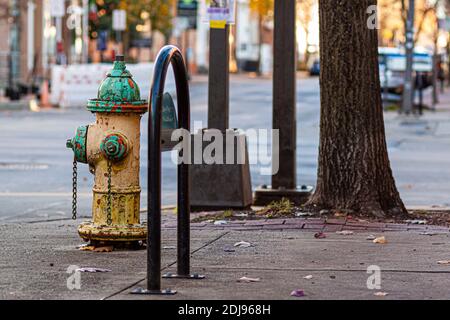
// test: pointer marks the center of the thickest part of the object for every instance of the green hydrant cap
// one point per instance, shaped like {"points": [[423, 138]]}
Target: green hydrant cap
{"points": [[118, 92]]}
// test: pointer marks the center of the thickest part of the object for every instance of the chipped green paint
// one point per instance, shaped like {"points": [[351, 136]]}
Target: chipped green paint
{"points": [[118, 93], [78, 144], [114, 147]]}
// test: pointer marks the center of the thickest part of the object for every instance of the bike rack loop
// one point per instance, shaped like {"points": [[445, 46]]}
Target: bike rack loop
{"points": [[167, 55]]}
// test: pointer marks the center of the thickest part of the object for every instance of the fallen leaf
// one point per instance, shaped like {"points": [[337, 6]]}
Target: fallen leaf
{"points": [[303, 214], [340, 214], [169, 247], [248, 280], [243, 244], [104, 249], [87, 248], [371, 237], [380, 294], [220, 222], [320, 235], [308, 277], [92, 269], [380, 240], [345, 232], [443, 262], [298, 293], [416, 221], [428, 233], [241, 215]]}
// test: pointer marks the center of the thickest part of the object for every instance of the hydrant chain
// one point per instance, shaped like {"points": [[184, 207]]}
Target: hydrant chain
{"points": [[108, 208], [74, 189]]}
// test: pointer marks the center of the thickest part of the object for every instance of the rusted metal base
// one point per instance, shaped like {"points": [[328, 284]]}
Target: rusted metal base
{"points": [[194, 276], [90, 231], [165, 292], [265, 195]]}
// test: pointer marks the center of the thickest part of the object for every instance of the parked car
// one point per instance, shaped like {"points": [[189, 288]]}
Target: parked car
{"points": [[314, 70], [392, 65]]}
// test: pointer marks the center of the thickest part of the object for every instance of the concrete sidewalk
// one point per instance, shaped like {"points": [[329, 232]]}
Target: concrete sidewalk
{"points": [[34, 258]]}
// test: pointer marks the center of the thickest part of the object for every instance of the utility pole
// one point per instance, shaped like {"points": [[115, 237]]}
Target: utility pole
{"points": [[284, 181], [408, 89], [208, 192], [219, 78], [85, 55]]}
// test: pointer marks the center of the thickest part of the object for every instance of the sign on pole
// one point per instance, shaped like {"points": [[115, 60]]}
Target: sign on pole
{"points": [[119, 20], [57, 8], [187, 9], [220, 12]]}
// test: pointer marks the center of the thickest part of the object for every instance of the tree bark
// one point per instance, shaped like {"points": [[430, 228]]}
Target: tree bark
{"points": [[354, 172]]}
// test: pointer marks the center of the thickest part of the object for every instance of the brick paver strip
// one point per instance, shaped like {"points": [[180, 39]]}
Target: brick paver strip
{"points": [[362, 228], [333, 228], [357, 223], [273, 227], [335, 221], [312, 225]]}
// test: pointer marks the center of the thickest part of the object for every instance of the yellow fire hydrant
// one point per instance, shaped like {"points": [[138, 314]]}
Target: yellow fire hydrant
{"points": [[111, 147]]}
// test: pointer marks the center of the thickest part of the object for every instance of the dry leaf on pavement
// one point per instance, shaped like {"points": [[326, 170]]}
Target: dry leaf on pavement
{"points": [[320, 235], [92, 269], [87, 248], [243, 244], [247, 280], [380, 294], [443, 262], [220, 222], [298, 293], [380, 240], [345, 232], [104, 249]]}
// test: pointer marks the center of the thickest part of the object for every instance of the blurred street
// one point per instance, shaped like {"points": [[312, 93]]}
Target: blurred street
{"points": [[36, 167]]}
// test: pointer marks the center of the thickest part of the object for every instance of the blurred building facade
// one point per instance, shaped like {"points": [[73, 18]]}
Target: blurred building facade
{"points": [[21, 60]]}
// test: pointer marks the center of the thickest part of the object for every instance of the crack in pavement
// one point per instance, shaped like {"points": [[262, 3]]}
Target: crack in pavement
{"points": [[167, 266]]}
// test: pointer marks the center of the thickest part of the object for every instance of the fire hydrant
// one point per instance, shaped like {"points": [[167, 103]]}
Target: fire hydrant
{"points": [[110, 147]]}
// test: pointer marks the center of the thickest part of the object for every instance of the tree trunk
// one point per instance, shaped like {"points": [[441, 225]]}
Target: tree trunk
{"points": [[354, 172]]}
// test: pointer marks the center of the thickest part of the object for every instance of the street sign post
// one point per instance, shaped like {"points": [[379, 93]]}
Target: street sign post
{"points": [[187, 10], [208, 192], [119, 20], [57, 8], [284, 182], [408, 90], [119, 24], [57, 11]]}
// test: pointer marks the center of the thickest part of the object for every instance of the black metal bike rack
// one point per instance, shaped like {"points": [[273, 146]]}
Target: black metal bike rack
{"points": [[168, 55]]}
